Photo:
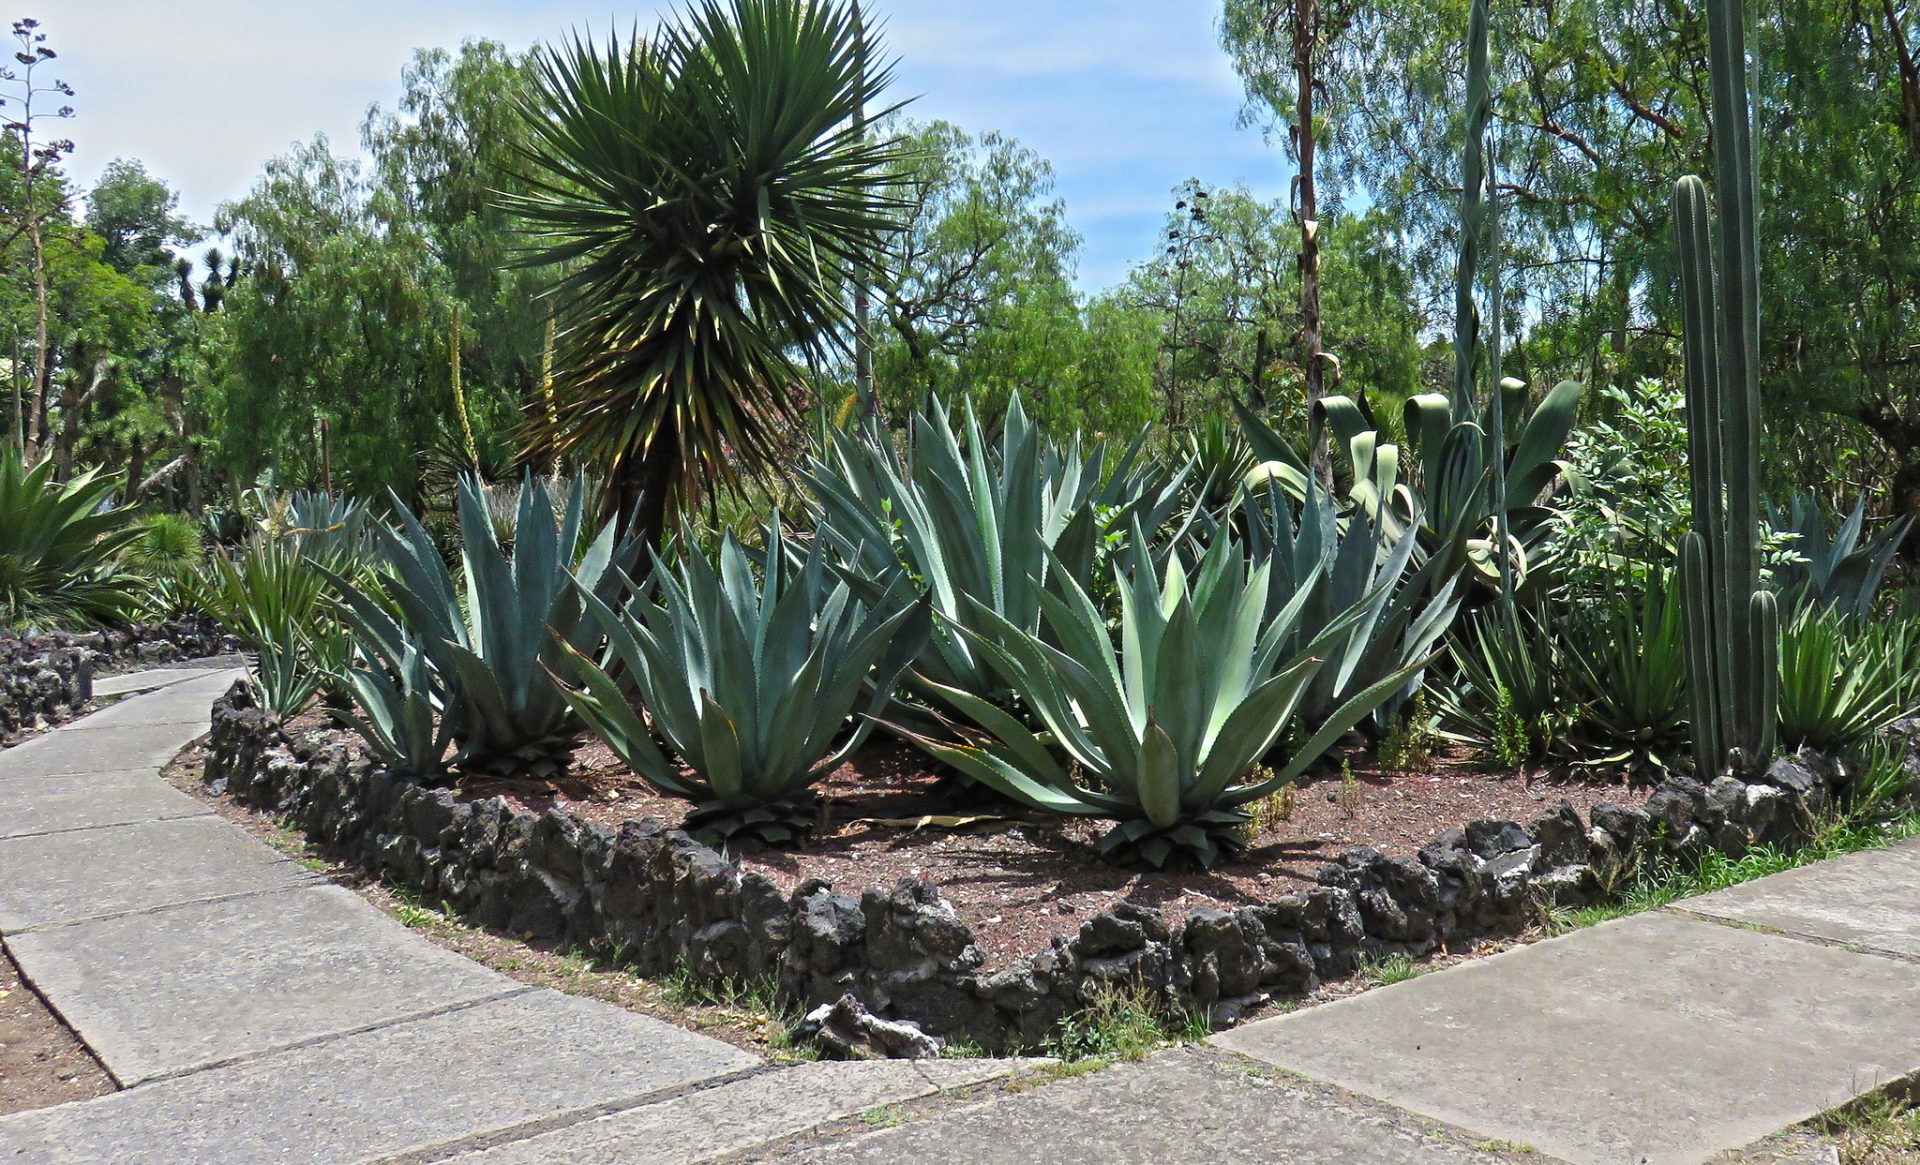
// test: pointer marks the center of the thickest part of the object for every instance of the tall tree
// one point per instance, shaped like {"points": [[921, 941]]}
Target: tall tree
{"points": [[20, 92]]}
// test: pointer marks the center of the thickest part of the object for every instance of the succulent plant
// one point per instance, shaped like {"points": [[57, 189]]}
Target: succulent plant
{"points": [[1835, 568], [753, 684], [977, 525], [1732, 624], [490, 640], [1162, 723]]}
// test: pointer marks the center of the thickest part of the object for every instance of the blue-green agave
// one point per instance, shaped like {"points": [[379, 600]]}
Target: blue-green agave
{"points": [[978, 525], [481, 649], [753, 684], [1160, 724]]}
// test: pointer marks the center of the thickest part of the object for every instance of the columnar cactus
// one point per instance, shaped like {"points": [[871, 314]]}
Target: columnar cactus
{"points": [[1732, 624]]}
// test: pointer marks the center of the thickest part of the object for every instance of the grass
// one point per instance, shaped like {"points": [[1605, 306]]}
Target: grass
{"points": [[1882, 1130], [1665, 882], [754, 1001], [1382, 970], [1123, 1023]]}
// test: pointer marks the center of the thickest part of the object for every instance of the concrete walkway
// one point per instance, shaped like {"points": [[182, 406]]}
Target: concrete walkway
{"points": [[253, 1013]]}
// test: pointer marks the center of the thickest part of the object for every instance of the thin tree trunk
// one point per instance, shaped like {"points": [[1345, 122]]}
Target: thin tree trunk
{"points": [[37, 407], [1305, 37], [863, 273]]}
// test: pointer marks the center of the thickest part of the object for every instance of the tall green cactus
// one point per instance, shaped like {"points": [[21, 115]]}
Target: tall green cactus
{"points": [[1732, 624]]}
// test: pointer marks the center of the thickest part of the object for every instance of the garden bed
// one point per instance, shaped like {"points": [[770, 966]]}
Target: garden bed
{"points": [[1018, 880], [42, 1062], [542, 867]]}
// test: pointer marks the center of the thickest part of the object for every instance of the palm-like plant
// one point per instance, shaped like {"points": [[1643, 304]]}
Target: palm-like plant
{"points": [[58, 545], [710, 194], [752, 685]]}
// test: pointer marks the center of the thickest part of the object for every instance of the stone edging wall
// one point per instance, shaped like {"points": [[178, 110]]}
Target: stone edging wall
{"points": [[47, 678], [665, 901]]}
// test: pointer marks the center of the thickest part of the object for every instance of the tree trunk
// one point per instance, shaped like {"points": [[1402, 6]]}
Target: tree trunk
{"points": [[1306, 32], [638, 498]]}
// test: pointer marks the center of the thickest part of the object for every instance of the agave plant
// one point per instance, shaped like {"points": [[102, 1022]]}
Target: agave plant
{"points": [[1404, 612], [753, 685], [1834, 569], [1163, 731], [1628, 665], [1842, 680], [710, 192], [277, 602], [58, 544], [980, 526], [1507, 695], [491, 638]]}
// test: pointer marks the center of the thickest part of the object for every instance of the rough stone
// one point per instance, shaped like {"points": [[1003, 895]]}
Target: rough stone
{"points": [[846, 1030]]}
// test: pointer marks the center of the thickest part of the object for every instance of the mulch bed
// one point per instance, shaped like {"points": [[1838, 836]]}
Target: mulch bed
{"points": [[41, 1061], [1018, 879]]}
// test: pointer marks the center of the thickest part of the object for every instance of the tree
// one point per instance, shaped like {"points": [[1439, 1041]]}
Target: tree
{"points": [[714, 198], [38, 167], [1284, 76], [133, 212]]}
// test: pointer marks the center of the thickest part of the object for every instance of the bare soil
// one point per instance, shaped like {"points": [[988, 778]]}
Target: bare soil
{"points": [[1018, 878], [42, 1062]]}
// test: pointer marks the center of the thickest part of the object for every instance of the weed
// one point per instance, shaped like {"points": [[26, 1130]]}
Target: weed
{"points": [[1498, 1146], [1881, 1130], [1382, 970], [413, 913], [885, 1116], [1349, 796], [1124, 1023], [1511, 744], [1410, 740], [1264, 815]]}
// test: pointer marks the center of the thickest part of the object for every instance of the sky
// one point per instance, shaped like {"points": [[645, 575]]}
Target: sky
{"points": [[1127, 98]]}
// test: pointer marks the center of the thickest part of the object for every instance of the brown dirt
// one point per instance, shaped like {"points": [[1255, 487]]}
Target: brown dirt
{"points": [[1018, 878], [42, 1062]]}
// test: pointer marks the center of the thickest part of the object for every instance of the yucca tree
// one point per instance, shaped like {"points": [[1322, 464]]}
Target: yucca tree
{"points": [[710, 198]]}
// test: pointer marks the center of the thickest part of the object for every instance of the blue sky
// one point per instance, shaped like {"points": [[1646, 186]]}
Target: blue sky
{"points": [[1127, 98]]}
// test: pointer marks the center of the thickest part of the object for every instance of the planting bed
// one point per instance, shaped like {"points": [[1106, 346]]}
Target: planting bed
{"points": [[41, 1062], [1018, 879], [850, 921]]}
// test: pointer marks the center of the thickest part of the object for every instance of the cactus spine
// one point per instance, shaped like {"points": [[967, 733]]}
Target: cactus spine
{"points": [[1732, 624]]}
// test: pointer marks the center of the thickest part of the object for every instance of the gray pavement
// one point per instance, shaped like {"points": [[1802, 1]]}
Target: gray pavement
{"points": [[255, 1014]]}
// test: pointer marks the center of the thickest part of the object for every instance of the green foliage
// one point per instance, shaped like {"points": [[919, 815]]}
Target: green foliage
{"points": [[708, 255], [1627, 505], [1506, 696], [170, 555], [1833, 569], [1732, 624], [1117, 1024], [58, 545], [1403, 613], [1162, 731], [1627, 665], [489, 638], [1843, 679], [277, 601], [983, 526], [751, 685]]}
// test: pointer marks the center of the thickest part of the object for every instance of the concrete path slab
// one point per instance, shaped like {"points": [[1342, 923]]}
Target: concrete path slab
{"points": [[1176, 1108], [172, 990], [737, 1118], [1653, 1039], [160, 677], [91, 802], [1869, 899], [76, 750], [188, 702], [94, 873], [426, 1087]]}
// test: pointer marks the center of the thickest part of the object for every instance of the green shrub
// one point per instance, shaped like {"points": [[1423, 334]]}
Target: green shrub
{"points": [[751, 684], [59, 545], [1163, 730], [1507, 695], [277, 601], [169, 553]]}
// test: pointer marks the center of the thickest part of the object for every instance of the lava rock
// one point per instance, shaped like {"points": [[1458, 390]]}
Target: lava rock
{"points": [[846, 1030]]}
